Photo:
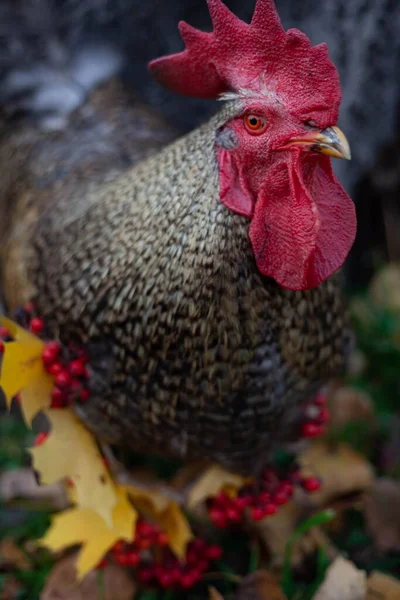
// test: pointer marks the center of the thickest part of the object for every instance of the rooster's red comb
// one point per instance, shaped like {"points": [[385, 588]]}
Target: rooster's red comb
{"points": [[238, 56]]}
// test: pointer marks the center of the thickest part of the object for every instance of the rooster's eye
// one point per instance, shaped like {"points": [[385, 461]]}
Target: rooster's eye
{"points": [[255, 123]]}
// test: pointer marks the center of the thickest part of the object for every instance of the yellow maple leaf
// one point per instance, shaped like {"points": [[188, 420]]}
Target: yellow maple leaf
{"points": [[85, 526], [22, 371], [71, 451], [166, 513], [214, 480]]}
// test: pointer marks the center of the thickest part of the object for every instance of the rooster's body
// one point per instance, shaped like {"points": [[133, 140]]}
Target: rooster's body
{"points": [[195, 349]]}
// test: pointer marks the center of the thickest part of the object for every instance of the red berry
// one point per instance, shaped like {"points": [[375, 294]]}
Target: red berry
{"points": [[4, 333], [121, 559], [144, 543], [287, 488], [166, 580], [18, 398], [320, 399], [311, 430], [55, 368], [57, 394], [36, 326], [162, 539], [192, 557], [75, 386], [132, 558], [51, 352], [280, 498], [264, 497], [269, 510], [29, 307], [176, 574], [311, 484], [233, 514], [103, 563], [222, 499], [145, 575], [84, 395], [198, 545], [218, 517], [119, 547], [63, 379], [57, 404], [187, 581], [144, 530], [324, 416], [214, 552], [243, 502], [47, 356], [257, 513], [76, 368], [41, 438], [2, 347]]}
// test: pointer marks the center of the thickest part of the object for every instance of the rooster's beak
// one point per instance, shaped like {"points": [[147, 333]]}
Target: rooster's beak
{"points": [[330, 141]]}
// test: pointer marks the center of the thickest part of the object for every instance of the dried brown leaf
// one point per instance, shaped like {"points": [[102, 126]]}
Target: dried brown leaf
{"points": [[260, 585], [210, 483], [275, 531], [342, 470], [347, 405], [214, 594], [382, 513], [343, 580], [382, 587], [11, 555], [62, 583]]}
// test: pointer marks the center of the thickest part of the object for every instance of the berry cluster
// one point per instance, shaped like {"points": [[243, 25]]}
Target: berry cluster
{"points": [[70, 374], [316, 417], [167, 571], [68, 366], [259, 500]]}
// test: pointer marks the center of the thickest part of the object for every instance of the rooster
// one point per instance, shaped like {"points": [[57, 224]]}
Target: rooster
{"points": [[202, 281]]}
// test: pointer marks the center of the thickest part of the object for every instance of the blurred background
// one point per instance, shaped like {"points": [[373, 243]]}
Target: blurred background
{"points": [[51, 48]]}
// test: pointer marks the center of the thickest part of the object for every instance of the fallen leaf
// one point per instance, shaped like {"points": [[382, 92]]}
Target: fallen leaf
{"points": [[71, 452], [11, 555], [382, 587], [86, 527], [382, 514], [166, 513], [342, 470], [63, 584], [22, 367], [347, 405], [343, 580], [214, 594], [211, 483], [36, 396], [22, 483], [260, 585], [275, 531]]}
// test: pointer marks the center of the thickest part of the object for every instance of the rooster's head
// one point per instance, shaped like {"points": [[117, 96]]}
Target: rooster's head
{"points": [[274, 152]]}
